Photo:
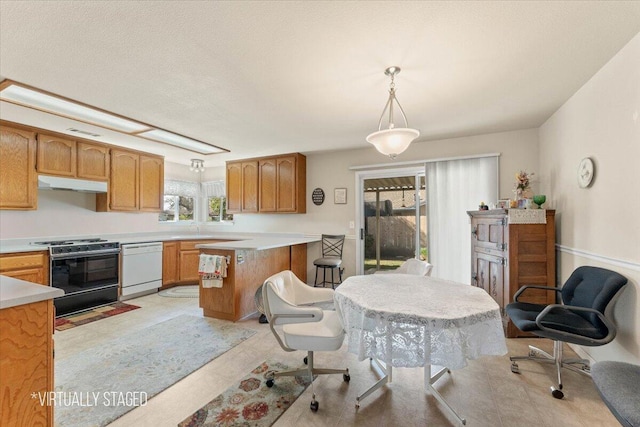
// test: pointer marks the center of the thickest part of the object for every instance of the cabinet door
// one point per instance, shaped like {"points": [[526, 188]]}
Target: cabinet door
{"points": [[33, 275], [18, 179], [488, 274], [93, 161], [26, 364], [286, 186], [56, 156], [189, 263], [268, 186], [124, 183], [489, 234], [169, 263], [151, 183], [250, 186], [234, 187]]}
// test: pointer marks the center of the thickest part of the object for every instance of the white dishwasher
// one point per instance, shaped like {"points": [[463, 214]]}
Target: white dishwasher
{"points": [[141, 268]]}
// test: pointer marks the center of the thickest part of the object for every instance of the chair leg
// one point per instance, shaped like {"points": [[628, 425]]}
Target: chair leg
{"points": [[332, 280], [557, 359], [311, 371], [315, 282]]}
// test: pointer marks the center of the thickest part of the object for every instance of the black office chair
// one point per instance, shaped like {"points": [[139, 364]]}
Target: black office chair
{"points": [[583, 318], [331, 259]]}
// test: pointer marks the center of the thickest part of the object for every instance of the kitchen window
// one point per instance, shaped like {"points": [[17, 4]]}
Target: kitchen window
{"points": [[179, 201], [217, 209], [216, 202]]}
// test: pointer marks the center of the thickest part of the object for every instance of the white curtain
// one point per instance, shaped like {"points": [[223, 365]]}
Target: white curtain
{"points": [[181, 188], [213, 189], [453, 188]]}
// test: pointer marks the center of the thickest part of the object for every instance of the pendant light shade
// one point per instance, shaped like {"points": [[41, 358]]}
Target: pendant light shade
{"points": [[392, 141]]}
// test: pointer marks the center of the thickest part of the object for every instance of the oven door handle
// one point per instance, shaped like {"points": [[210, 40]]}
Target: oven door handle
{"points": [[84, 254]]}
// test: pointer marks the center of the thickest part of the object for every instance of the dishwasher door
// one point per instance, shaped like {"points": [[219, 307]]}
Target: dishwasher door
{"points": [[141, 268]]}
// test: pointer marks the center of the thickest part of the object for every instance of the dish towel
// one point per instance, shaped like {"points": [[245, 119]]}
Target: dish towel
{"points": [[212, 269]]}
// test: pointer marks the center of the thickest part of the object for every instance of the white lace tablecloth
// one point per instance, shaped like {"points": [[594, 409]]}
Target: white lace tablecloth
{"points": [[413, 321]]}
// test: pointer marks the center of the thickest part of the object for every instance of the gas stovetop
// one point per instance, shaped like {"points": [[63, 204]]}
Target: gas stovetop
{"points": [[69, 242], [79, 247]]}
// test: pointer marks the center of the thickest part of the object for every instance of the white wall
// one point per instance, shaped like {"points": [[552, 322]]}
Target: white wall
{"points": [[600, 225]]}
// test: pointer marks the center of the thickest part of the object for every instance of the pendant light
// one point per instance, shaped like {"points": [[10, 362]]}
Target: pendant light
{"points": [[197, 165], [392, 141]]}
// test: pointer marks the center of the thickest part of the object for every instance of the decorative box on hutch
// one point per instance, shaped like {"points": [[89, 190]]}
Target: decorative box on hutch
{"points": [[511, 248]]}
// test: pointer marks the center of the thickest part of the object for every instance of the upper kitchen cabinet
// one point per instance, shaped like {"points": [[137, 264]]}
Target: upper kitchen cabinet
{"points": [[73, 159], [18, 178], [242, 186], [136, 183], [151, 183], [93, 161], [279, 186], [56, 156]]}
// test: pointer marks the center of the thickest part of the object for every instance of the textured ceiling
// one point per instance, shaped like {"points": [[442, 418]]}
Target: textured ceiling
{"points": [[262, 78]]}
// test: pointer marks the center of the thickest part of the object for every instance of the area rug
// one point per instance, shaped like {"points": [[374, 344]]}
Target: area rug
{"points": [[77, 319], [181, 292], [250, 402], [98, 385]]}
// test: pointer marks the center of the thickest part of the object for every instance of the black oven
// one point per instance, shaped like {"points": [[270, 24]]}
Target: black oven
{"points": [[88, 274]]}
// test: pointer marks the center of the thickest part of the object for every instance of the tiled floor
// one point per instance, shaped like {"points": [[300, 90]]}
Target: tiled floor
{"points": [[486, 392]]}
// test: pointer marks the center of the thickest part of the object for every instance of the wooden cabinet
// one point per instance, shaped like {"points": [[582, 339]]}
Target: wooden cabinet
{"points": [[26, 364], [242, 187], [28, 266], [74, 159], [18, 178], [169, 263], [136, 183], [151, 183], [93, 161], [506, 256], [267, 185], [180, 262], [56, 155]]}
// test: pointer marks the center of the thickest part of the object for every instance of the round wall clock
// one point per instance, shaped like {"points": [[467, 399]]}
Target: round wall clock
{"points": [[585, 172], [317, 196]]}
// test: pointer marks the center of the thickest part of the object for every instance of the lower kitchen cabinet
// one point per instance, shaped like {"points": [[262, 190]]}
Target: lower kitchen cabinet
{"points": [[26, 364], [28, 266], [169, 263], [180, 262]]}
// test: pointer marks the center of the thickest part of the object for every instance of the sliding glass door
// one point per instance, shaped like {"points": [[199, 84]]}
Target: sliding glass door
{"points": [[393, 220]]}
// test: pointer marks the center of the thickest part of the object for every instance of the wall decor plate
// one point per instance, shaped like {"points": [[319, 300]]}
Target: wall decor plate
{"points": [[586, 172], [317, 196]]}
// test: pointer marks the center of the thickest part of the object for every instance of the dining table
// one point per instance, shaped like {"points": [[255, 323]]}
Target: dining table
{"points": [[402, 320]]}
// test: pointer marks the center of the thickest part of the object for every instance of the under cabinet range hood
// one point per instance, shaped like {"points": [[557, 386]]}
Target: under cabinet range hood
{"points": [[46, 182]]}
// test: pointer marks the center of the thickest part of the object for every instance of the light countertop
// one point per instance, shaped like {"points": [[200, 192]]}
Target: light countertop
{"points": [[260, 243], [245, 241], [15, 292]]}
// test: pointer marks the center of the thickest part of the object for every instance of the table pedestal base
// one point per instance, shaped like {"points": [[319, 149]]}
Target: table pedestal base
{"points": [[383, 371], [430, 380]]}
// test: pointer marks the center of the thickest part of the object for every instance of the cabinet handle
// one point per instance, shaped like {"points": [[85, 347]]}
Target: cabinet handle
{"points": [[474, 232], [475, 279]]}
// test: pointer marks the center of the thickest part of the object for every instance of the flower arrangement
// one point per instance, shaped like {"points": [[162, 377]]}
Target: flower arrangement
{"points": [[522, 184]]}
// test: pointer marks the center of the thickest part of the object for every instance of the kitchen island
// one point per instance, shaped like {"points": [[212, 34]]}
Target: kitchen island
{"points": [[26, 352], [251, 262]]}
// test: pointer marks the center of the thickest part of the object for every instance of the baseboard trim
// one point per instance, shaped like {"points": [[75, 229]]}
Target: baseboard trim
{"points": [[600, 258]]}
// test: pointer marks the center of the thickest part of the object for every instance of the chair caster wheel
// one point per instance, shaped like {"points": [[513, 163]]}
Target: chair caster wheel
{"points": [[306, 360], [514, 368], [270, 383], [556, 393], [314, 405], [346, 377]]}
